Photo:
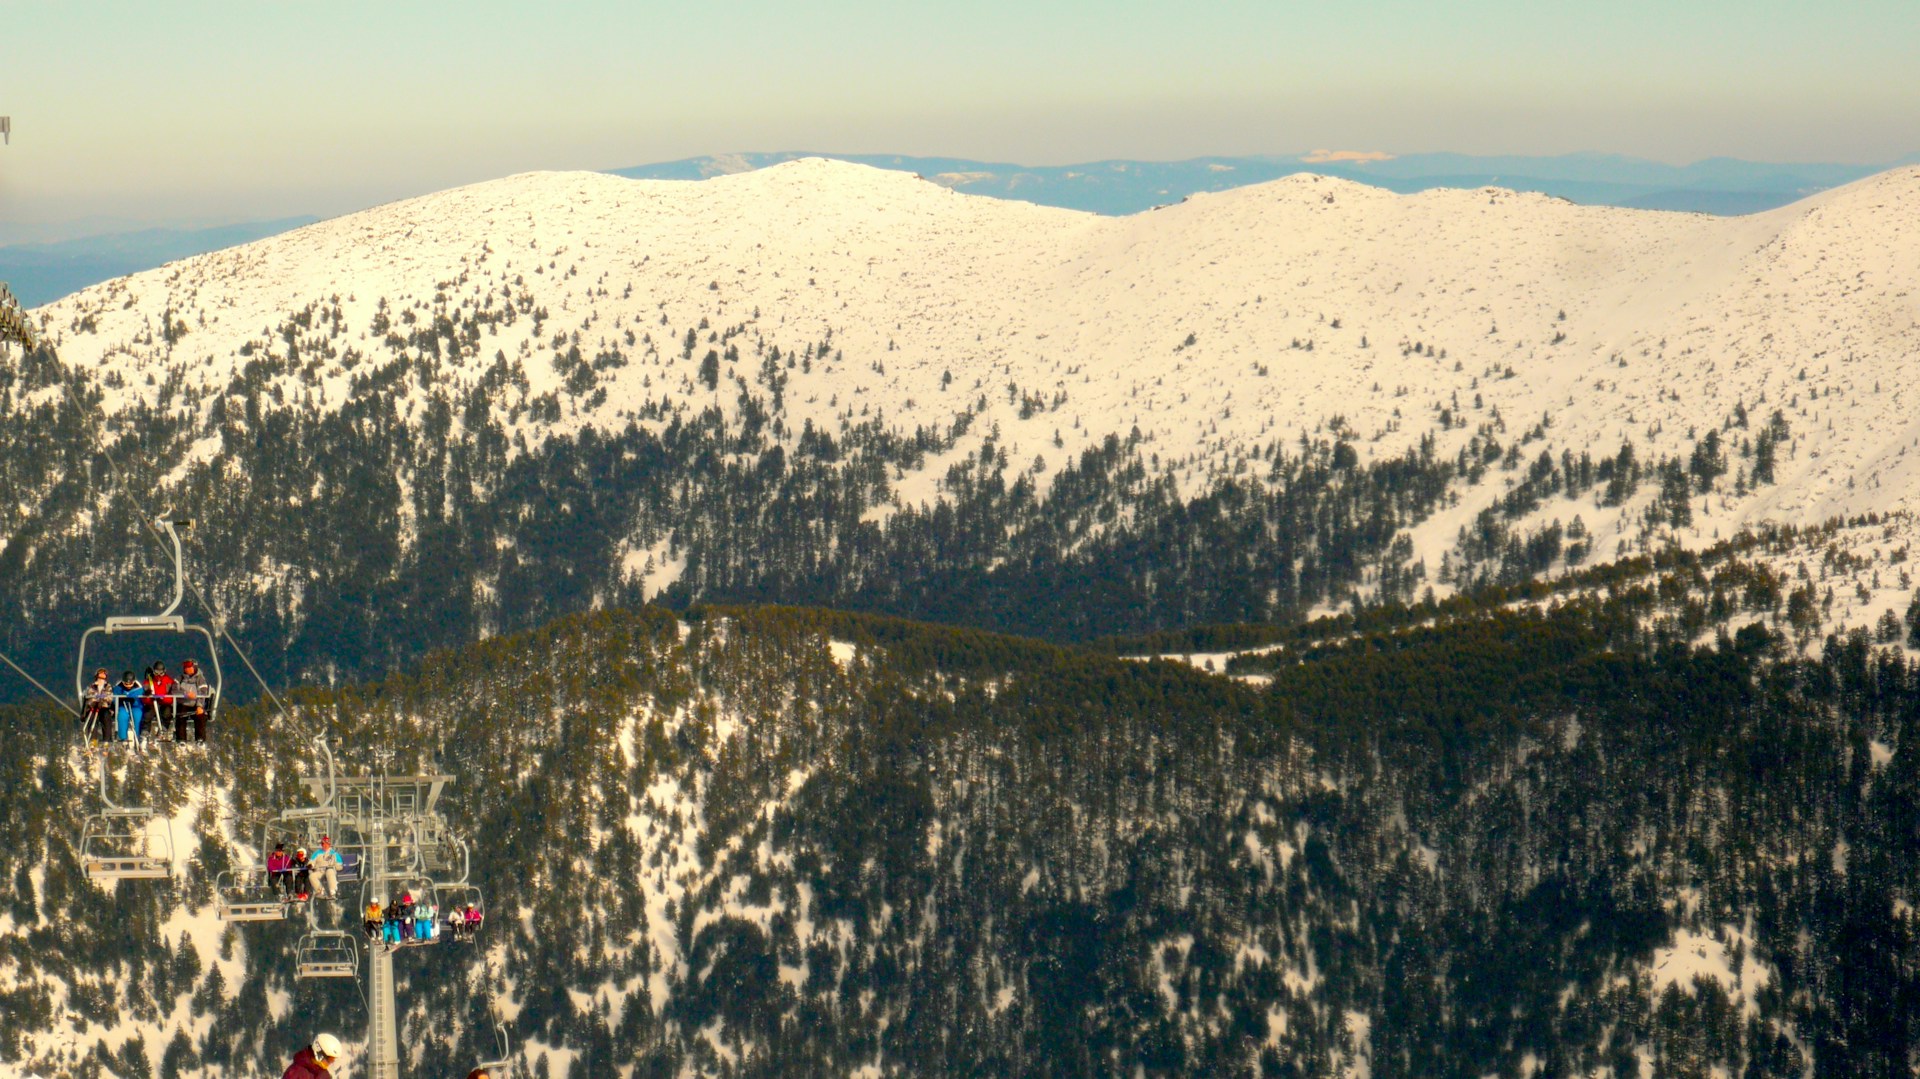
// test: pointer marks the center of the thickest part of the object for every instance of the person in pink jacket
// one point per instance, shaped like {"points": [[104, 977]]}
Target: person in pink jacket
{"points": [[279, 868]]}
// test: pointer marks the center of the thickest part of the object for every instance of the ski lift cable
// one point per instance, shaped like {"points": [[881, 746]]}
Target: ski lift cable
{"points": [[57, 699], [503, 1041]]}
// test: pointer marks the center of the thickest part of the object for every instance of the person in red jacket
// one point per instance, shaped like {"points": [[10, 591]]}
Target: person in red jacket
{"points": [[160, 698], [315, 1061]]}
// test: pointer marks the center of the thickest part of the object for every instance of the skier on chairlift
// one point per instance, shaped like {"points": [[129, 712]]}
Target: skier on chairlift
{"points": [[191, 706], [326, 869], [277, 868], [390, 929], [299, 869], [426, 915], [161, 705], [99, 720], [127, 694], [316, 1061]]}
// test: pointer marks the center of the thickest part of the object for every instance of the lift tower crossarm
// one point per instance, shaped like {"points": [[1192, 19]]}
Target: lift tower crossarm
{"points": [[15, 326]]}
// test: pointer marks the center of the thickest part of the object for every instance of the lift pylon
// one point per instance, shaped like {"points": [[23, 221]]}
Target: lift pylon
{"points": [[391, 829]]}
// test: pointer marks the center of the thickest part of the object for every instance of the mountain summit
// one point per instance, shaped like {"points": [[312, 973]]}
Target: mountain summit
{"points": [[821, 382], [1212, 326]]}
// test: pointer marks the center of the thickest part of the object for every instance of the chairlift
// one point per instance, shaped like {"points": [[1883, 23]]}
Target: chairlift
{"points": [[167, 622], [299, 829], [118, 843], [244, 896], [326, 953], [456, 897], [424, 893]]}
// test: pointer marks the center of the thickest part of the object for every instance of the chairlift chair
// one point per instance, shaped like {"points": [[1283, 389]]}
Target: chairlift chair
{"points": [[118, 844], [326, 953], [167, 621], [424, 891], [245, 897], [456, 896]]}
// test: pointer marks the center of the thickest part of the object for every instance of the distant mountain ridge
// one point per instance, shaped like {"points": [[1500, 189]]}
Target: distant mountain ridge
{"points": [[43, 272], [1719, 185]]}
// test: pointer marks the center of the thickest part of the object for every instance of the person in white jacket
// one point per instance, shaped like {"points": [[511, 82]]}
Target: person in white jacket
{"points": [[326, 869]]}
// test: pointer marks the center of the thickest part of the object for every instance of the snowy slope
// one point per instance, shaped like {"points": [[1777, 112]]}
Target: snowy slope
{"points": [[1612, 324]]}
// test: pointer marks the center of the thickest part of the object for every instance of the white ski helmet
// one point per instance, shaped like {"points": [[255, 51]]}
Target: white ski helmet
{"points": [[326, 1045]]}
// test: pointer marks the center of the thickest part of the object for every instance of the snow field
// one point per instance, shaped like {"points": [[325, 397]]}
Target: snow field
{"points": [[1215, 327]]}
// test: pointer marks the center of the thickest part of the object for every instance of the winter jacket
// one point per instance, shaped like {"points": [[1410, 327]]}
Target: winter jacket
{"points": [[325, 858], [129, 697], [194, 686], [160, 685], [277, 862], [305, 1067], [100, 692]]}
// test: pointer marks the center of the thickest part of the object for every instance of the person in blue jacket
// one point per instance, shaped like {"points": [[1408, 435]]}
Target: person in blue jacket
{"points": [[127, 693]]}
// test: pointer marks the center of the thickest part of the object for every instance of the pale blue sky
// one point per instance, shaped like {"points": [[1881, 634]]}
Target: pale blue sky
{"points": [[222, 110]]}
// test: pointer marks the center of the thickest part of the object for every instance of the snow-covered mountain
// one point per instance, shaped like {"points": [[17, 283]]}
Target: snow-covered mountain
{"points": [[1215, 326], [1533, 829]]}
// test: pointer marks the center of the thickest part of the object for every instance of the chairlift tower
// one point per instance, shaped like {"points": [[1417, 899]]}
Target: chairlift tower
{"points": [[391, 828], [15, 327]]}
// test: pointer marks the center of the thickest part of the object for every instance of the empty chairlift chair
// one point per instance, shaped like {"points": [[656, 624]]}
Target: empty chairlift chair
{"points": [[119, 843], [326, 953]]}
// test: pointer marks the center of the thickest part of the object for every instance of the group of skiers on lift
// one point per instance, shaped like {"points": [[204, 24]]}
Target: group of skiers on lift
{"points": [[409, 921], [135, 710], [292, 876], [298, 877]]}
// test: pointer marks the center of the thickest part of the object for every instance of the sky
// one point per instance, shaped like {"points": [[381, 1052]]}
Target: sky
{"points": [[208, 112]]}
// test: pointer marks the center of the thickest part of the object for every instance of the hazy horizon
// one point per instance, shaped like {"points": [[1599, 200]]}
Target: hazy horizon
{"points": [[213, 112]]}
